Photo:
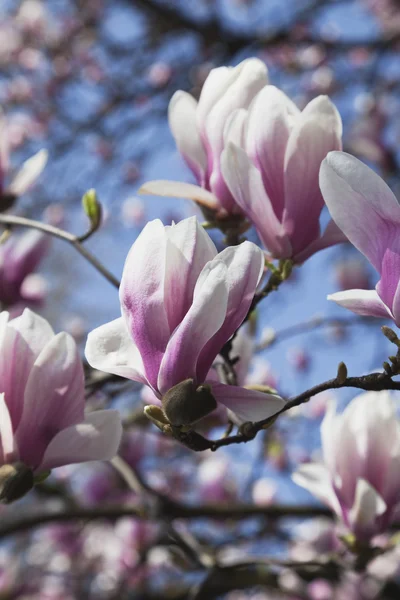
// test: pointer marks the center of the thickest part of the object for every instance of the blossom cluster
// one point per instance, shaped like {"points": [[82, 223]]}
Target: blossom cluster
{"points": [[258, 161]]}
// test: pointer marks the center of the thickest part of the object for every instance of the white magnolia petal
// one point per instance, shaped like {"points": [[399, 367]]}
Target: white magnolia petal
{"points": [[189, 248], [96, 438], [316, 479], [7, 441], [362, 302], [361, 204], [178, 189], [110, 348], [368, 505], [28, 173], [246, 404], [182, 122]]}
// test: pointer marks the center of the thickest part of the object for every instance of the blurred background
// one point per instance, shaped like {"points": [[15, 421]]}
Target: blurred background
{"points": [[91, 81]]}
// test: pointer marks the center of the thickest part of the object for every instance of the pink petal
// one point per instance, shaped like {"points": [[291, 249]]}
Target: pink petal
{"points": [[246, 186], [21, 341], [361, 204], [96, 438], [245, 265], [272, 116], [368, 506], [317, 131], [247, 405], [390, 277], [248, 78], [142, 296], [331, 236], [8, 448], [24, 256], [235, 128], [110, 348], [182, 122], [177, 189], [204, 318], [28, 173], [214, 88], [396, 306], [362, 302], [189, 248], [54, 397], [316, 479]]}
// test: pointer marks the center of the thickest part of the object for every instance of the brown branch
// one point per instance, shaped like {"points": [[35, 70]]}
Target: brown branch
{"points": [[214, 31], [174, 511]]}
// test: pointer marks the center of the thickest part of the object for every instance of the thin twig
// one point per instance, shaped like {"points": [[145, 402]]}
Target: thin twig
{"points": [[62, 235]]}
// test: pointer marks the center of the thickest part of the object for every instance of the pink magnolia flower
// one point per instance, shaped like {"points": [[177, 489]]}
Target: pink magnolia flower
{"points": [[42, 421], [359, 478], [367, 211], [19, 257], [180, 302], [198, 129], [270, 164]]}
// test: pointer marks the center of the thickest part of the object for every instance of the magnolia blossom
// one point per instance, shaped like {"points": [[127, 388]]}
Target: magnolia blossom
{"points": [[359, 478], [26, 176], [198, 129], [42, 422], [271, 163], [180, 302], [19, 257], [367, 211]]}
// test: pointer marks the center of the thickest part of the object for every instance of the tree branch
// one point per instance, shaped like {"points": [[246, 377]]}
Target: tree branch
{"points": [[12, 220]]}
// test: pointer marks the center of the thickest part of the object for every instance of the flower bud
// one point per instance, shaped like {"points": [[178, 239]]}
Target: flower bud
{"points": [[15, 481], [92, 208], [185, 404], [341, 373]]}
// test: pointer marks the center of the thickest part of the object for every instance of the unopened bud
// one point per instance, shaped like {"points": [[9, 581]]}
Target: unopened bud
{"points": [[185, 404], [16, 480], [155, 415], [391, 335], [387, 368], [92, 208], [341, 373]]}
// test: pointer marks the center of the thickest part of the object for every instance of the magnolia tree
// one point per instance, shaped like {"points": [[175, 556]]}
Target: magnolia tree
{"points": [[156, 453]]}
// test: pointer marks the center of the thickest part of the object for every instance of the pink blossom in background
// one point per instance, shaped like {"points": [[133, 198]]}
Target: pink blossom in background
{"points": [[367, 211], [42, 399], [199, 132], [271, 163], [28, 173], [352, 273], [19, 257], [214, 480], [359, 476], [180, 302]]}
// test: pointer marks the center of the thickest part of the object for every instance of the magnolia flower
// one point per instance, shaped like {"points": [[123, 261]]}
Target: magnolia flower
{"points": [[42, 421], [25, 176], [19, 257], [180, 302], [368, 213], [359, 478], [198, 129], [270, 164]]}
